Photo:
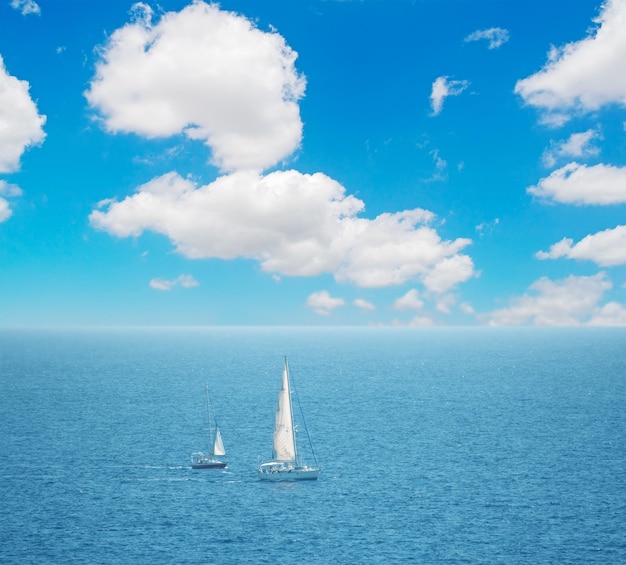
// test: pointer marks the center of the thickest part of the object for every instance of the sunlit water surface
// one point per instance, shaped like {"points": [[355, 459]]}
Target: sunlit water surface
{"points": [[437, 446]]}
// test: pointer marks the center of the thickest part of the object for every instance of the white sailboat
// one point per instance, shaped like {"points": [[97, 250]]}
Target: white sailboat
{"points": [[214, 458], [286, 463]]}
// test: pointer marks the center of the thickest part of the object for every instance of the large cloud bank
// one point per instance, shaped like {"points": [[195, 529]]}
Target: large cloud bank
{"points": [[294, 224]]}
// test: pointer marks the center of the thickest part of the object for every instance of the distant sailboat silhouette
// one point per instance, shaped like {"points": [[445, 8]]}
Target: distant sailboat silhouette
{"points": [[214, 458], [286, 464]]}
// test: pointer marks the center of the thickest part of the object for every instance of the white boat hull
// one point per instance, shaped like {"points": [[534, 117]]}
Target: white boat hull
{"points": [[287, 472]]}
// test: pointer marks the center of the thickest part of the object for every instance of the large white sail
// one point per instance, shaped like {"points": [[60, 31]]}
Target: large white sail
{"points": [[286, 465], [218, 447], [284, 440]]}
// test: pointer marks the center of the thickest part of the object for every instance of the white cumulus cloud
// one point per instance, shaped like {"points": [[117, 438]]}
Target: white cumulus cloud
{"points": [[606, 248], [496, 36], [292, 223], [579, 184], [323, 303], [611, 314], [442, 88], [448, 272], [572, 301], [21, 126], [207, 73], [583, 75]]}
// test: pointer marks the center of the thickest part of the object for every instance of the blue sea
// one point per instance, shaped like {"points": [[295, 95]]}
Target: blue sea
{"points": [[478, 445]]}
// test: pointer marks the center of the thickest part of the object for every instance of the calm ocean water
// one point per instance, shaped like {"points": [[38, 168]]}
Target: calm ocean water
{"points": [[437, 446]]}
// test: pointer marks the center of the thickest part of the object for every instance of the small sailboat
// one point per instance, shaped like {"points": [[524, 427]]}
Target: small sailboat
{"points": [[286, 463], [214, 458]]}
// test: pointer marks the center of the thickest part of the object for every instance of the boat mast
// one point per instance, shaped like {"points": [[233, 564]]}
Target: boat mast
{"points": [[293, 431], [208, 413]]}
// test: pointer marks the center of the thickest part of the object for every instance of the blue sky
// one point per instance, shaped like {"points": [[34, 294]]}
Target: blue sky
{"points": [[398, 162]]}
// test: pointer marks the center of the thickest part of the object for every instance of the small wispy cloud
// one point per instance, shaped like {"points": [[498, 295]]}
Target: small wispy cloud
{"points": [[578, 145], [445, 303], [417, 321], [410, 301], [323, 303], [440, 164], [26, 7], [441, 167], [442, 88], [466, 308], [5, 211], [496, 36], [364, 304], [7, 190], [487, 226], [186, 281]]}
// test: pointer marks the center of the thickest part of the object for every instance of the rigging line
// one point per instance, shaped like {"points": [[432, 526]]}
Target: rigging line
{"points": [[306, 429], [208, 416]]}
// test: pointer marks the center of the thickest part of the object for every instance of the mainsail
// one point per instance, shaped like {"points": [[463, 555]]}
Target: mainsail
{"points": [[284, 437]]}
